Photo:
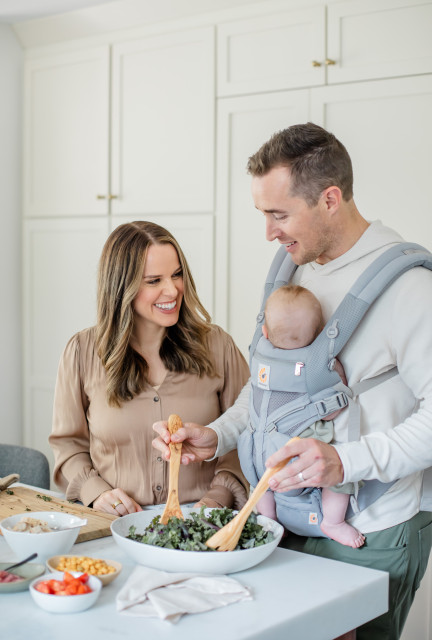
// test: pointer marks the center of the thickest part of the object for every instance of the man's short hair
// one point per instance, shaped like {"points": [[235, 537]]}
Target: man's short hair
{"points": [[315, 158]]}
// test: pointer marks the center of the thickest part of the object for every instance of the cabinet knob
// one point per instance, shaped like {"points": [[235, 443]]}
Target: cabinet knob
{"points": [[315, 63], [329, 62]]}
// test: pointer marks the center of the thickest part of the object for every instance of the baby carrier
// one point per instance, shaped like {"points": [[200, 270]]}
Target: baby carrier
{"points": [[292, 389]]}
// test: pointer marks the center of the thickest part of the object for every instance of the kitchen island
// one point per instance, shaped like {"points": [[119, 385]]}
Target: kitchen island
{"points": [[295, 596]]}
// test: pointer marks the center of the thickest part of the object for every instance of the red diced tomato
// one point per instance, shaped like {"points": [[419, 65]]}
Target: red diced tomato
{"points": [[83, 577], [69, 586], [43, 587]]}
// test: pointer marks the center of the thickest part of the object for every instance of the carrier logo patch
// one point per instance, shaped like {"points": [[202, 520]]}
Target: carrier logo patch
{"points": [[263, 376], [313, 518]]}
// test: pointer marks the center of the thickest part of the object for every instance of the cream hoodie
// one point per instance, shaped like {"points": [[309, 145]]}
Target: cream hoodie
{"points": [[396, 416]]}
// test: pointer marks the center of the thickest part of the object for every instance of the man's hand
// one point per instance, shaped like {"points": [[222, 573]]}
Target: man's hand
{"points": [[314, 464], [198, 443]]}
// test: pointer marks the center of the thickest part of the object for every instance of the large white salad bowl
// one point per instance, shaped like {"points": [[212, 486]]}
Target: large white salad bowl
{"points": [[216, 562]]}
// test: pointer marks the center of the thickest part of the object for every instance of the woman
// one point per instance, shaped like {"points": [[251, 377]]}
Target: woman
{"points": [[153, 352]]}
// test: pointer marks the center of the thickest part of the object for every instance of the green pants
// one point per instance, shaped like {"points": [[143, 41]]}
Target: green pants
{"points": [[402, 551]]}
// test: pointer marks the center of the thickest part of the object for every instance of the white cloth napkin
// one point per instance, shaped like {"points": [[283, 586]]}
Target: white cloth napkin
{"points": [[153, 593]]}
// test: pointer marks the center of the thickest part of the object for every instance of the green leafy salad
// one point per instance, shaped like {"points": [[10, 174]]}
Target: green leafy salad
{"points": [[191, 534]]}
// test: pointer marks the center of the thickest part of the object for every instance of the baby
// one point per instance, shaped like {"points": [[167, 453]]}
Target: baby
{"points": [[293, 319]]}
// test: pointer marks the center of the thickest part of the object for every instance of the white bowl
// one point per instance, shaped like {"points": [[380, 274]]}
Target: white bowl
{"points": [[45, 545], [216, 562], [65, 604]]}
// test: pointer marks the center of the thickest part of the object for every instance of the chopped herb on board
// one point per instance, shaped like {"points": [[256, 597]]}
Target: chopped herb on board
{"points": [[9, 492], [192, 533], [45, 498], [27, 509]]}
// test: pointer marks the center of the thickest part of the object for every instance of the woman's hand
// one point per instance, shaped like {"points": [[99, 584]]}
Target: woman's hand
{"points": [[199, 443], [116, 502], [315, 464]]}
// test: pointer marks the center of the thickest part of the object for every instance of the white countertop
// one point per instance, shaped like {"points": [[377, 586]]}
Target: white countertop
{"points": [[295, 596]]}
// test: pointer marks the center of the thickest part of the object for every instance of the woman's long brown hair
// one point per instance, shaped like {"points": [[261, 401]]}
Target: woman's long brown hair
{"points": [[184, 347]]}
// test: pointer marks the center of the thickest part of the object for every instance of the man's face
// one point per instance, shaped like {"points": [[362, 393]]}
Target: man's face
{"points": [[305, 231]]}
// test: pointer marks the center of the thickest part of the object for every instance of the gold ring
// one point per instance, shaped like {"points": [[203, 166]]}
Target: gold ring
{"points": [[116, 504]]}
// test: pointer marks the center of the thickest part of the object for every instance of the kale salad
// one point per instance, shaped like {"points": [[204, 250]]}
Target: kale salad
{"points": [[191, 534]]}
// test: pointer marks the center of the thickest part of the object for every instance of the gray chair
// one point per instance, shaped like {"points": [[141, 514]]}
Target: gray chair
{"points": [[31, 464]]}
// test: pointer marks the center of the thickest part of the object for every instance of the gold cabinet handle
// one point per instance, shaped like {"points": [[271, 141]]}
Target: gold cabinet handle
{"points": [[102, 197], [315, 63], [112, 197], [329, 62]]}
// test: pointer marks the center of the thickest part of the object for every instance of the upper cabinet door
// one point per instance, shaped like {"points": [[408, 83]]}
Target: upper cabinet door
{"points": [[387, 129], [270, 52], [369, 39], [66, 127], [163, 124]]}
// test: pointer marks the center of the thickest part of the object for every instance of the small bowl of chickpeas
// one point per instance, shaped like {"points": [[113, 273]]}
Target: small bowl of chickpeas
{"points": [[105, 570]]}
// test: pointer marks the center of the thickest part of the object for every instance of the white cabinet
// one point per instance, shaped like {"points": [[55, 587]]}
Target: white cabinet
{"points": [[243, 255], [369, 39], [163, 123], [60, 269], [272, 51], [66, 120], [159, 147], [324, 44], [387, 129]]}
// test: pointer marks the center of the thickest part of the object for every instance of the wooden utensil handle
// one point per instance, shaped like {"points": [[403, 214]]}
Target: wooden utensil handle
{"points": [[8, 480], [262, 486], [174, 468]]}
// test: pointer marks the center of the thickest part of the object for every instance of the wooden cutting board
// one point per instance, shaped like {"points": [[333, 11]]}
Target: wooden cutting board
{"points": [[25, 500]]}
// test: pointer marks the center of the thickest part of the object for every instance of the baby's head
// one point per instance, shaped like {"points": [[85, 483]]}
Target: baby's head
{"points": [[293, 317]]}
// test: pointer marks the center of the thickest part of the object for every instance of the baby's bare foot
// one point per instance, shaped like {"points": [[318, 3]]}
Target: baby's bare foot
{"points": [[344, 533]]}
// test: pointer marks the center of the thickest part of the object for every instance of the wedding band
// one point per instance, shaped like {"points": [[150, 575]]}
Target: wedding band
{"points": [[300, 476], [116, 504]]}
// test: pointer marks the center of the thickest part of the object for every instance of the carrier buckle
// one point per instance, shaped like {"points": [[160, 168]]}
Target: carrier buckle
{"points": [[331, 404]]}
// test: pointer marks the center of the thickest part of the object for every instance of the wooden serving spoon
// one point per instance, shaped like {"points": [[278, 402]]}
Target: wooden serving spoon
{"points": [[227, 537], [172, 507]]}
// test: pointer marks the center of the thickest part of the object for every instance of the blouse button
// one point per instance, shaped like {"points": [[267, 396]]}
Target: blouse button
{"points": [[158, 487], [159, 459], [156, 399]]}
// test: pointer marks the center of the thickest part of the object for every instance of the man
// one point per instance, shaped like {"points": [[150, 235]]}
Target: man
{"points": [[302, 183]]}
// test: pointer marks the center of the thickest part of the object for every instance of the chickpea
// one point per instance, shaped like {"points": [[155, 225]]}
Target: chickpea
{"points": [[92, 566]]}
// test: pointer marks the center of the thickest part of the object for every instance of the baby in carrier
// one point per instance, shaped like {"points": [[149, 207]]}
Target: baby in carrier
{"points": [[293, 319]]}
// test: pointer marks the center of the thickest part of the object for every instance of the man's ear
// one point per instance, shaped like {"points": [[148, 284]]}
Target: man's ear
{"points": [[264, 331], [332, 197]]}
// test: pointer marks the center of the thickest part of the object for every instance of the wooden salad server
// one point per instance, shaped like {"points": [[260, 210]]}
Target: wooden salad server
{"points": [[172, 507], [8, 480], [227, 537]]}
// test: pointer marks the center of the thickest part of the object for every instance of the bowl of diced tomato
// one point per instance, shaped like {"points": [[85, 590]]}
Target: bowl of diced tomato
{"points": [[65, 592]]}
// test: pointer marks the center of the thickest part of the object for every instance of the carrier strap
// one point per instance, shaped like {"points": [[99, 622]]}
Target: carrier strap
{"points": [[281, 271], [370, 285]]}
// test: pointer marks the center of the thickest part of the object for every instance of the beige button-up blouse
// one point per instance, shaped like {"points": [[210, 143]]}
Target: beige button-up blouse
{"points": [[98, 447]]}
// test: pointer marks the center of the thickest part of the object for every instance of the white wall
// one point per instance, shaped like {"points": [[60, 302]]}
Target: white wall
{"points": [[11, 60]]}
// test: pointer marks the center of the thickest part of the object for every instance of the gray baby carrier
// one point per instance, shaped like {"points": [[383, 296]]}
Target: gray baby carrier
{"points": [[293, 389]]}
